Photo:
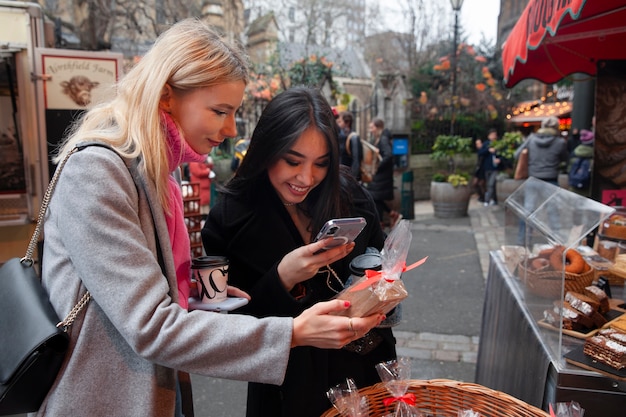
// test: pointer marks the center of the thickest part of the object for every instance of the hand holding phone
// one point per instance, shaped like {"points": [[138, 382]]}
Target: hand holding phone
{"points": [[341, 231]]}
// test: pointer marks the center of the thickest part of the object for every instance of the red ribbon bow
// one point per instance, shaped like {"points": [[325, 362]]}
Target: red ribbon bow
{"points": [[375, 276], [409, 399]]}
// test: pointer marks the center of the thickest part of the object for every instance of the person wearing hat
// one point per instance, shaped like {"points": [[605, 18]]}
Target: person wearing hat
{"points": [[547, 151], [579, 168]]}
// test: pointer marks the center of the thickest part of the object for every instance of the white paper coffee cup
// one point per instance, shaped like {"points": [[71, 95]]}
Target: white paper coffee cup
{"points": [[211, 275]]}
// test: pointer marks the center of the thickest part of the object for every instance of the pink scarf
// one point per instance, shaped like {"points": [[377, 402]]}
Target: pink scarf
{"points": [[179, 152]]}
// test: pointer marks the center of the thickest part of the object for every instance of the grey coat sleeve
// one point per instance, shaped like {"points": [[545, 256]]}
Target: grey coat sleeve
{"points": [[99, 233]]}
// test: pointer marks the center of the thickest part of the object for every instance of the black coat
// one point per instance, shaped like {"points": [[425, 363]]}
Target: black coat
{"points": [[381, 186], [255, 233]]}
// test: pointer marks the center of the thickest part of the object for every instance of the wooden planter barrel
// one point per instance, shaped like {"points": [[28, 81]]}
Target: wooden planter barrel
{"points": [[506, 187], [449, 201]]}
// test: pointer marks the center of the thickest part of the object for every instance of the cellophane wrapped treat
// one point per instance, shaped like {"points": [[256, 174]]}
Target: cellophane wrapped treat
{"points": [[468, 413], [567, 409], [395, 375], [380, 291], [347, 401]]}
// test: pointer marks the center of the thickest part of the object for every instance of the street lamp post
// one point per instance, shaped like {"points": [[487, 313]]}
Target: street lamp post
{"points": [[456, 6]]}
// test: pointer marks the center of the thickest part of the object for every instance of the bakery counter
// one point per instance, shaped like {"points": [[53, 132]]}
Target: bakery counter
{"points": [[519, 356]]}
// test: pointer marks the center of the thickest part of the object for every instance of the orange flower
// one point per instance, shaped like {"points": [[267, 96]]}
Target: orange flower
{"points": [[481, 87], [445, 65], [423, 98]]}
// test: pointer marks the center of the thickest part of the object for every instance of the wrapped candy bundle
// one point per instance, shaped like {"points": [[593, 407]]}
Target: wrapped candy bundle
{"points": [[395, 375], [346, 399], [380, 291], [567, 409]]}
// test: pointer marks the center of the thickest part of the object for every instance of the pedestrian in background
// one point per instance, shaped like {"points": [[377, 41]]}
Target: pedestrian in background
{"points": [[490, 165], [381, 186], [580, 164], [547, 151], [288, 185], [350, 147], [115, 228], [478, 180]]}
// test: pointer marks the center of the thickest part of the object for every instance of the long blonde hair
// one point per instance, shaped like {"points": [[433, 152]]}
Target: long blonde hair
{"points": [[189, 55]]}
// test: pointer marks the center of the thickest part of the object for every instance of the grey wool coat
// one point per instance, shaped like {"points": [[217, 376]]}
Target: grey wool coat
{"points": [[132, 336]]}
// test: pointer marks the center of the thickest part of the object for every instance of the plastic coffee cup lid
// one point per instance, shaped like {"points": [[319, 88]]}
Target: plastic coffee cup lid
{"points": [[208, 261], [365, 261]]}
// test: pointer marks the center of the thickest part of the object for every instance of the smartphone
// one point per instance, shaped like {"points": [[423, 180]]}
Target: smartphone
{"points": [[341, 230], [229, 304]]}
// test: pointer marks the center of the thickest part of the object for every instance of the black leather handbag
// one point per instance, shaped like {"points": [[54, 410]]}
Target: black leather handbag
{"points": [[33, 341]]}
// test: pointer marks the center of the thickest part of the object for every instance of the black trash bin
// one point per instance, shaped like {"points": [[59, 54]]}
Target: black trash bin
{"points": [[407, 207]]}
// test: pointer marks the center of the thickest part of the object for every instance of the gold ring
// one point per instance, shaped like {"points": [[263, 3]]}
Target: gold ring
{"points": [[350, 327]]}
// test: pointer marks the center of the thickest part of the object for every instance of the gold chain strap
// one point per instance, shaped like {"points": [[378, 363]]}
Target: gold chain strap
{"points": [[330, 271], [28, 258], [71, 316]]}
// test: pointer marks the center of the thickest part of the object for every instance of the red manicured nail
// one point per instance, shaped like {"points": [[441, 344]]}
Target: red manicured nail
{"points": [[346, 303]]}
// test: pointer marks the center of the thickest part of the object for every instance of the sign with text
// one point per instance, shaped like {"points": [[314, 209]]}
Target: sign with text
{"points": [[614, 198]]}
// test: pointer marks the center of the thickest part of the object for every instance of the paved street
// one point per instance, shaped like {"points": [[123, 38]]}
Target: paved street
{"points": [[441, 318]]}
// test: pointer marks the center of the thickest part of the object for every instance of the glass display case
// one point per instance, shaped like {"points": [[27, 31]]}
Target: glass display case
{"points": [[529, 347], [547, 254]]}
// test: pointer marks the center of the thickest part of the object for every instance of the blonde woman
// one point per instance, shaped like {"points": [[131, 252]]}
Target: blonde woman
{"points": [[114, 214]]}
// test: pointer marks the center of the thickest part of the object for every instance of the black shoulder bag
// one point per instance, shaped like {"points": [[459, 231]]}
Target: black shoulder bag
{"points": [[33, 341]]}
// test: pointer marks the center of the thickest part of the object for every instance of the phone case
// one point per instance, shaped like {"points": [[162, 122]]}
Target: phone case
{"points": [[229, 304], [341, 230]]}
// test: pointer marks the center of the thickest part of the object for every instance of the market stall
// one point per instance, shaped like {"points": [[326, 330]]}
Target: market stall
{"points": [[552, 40], [547, 296]]}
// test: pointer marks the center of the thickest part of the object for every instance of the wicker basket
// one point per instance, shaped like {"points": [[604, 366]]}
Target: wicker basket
{"points": [[548, 283], [445, 398]]}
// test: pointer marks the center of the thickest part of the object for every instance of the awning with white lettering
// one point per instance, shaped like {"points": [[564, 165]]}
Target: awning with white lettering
{"points": [[556, 38]]}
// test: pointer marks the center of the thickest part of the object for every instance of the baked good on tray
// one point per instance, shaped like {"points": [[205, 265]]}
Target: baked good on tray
{"points": [[580, 312], [572, 318], [600, 296], [586, 306], [608, 346], [614, 227]]}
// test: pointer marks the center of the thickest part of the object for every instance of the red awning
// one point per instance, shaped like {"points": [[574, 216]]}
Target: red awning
{"points": [[556, 38]]}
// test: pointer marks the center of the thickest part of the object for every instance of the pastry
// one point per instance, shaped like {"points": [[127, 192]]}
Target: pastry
{"points": [[600, 296], [608, 347], [574, 262], [583, 306]]}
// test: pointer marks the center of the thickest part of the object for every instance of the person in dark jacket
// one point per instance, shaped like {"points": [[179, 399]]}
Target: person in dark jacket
{"points": [[350, 148], [381, 186], [288, 185], [490, 164], [583, 151]]}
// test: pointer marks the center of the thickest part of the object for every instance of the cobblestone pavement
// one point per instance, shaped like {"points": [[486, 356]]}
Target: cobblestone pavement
{"points": [[433, 355], [489, 235]]}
